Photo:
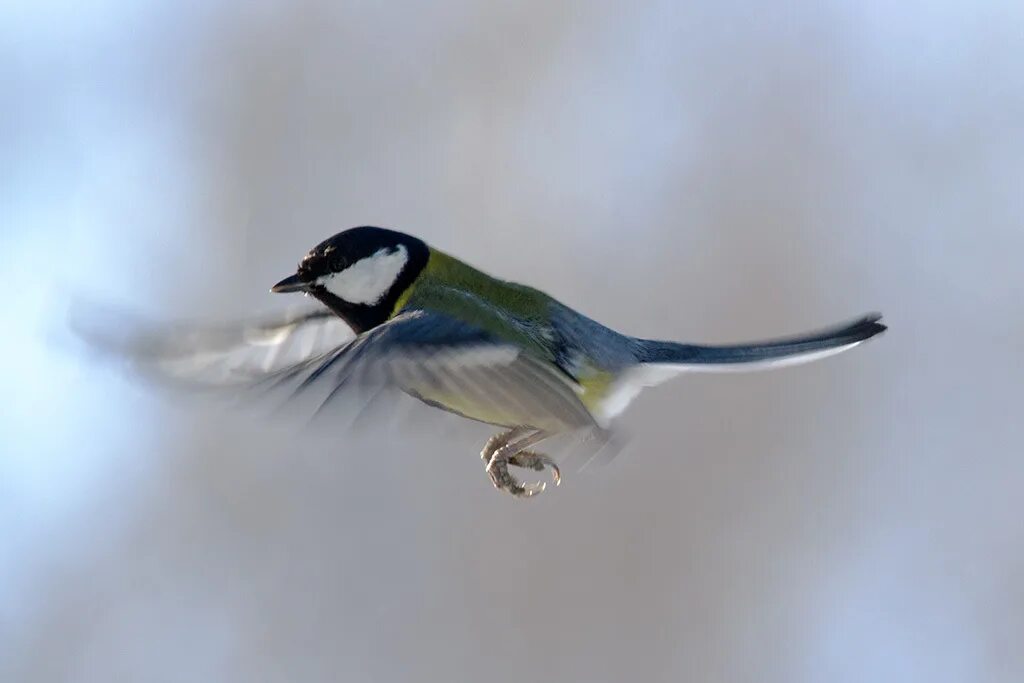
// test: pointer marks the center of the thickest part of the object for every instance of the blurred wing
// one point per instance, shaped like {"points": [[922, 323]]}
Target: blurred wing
{"points": [[312, 355], [211, 356], [446, 362]]}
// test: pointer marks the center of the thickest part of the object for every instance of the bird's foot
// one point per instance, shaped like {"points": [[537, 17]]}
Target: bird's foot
{"points": [[497, 470], [508, 449], [529, 460]]}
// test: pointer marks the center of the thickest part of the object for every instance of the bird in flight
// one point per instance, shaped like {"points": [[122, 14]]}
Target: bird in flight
{"points": [[431, 326]]}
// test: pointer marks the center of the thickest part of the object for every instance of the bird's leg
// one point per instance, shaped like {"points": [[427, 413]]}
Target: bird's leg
{"points": [[499, 441], [497, 468], [508, 449]]}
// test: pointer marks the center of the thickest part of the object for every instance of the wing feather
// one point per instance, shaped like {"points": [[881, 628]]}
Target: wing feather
{"points": [[311, 355], [448, 363], [213, 356]]}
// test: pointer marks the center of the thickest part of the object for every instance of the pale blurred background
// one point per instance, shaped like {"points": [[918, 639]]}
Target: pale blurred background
{"points": [[708, 171]]}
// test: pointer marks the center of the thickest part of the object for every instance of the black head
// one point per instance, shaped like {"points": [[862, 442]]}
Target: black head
{"points": [[360, 273]]}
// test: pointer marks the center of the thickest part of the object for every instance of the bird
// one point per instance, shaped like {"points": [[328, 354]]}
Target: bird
{"points": [[392, 312]]}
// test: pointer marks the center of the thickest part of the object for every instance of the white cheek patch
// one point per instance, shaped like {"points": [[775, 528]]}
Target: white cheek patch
{"points": [[367, 280]]}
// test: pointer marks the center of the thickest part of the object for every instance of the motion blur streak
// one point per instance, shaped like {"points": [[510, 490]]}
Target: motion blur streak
{"points": [[709, 171]]}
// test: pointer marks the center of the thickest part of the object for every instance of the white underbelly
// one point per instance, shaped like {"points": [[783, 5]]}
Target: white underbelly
{"points": [[628, 386]]}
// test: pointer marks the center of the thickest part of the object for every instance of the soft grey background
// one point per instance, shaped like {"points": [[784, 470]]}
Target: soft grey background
{"points": [[709, 171]]}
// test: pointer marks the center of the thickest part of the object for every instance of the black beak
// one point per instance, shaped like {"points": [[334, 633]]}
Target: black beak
{"points": [[291, 283]]}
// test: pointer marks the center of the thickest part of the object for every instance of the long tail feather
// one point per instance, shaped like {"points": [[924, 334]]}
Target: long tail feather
{"points": [[764, 354]]}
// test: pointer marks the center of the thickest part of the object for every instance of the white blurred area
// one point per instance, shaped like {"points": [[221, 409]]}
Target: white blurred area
{"points": [[708, 171]]}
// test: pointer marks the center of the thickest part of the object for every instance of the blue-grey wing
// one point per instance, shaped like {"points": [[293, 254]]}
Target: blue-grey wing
{"points": [[448, 363]]}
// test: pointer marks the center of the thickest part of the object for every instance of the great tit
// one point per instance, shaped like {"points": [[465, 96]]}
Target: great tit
{"points": [[431, 326]]}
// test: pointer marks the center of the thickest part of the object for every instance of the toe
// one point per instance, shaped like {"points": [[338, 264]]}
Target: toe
{"points": [[530, 490]]}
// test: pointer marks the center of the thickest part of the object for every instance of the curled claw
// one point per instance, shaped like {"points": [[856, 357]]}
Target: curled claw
{"points": [[534, 461], [509, 449], [528, 490], [497, 470], [556, 474]]}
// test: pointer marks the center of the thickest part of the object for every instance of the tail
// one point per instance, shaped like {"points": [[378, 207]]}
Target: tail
{"points": [[765, 354]]}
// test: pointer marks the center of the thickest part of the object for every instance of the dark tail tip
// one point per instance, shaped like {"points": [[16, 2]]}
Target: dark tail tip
{"points": [[865, 327]]}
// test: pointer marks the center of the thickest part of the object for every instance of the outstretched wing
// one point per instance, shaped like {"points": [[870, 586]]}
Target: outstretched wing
{"points": [[312, 355], [447, 363], [210, 356]]}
